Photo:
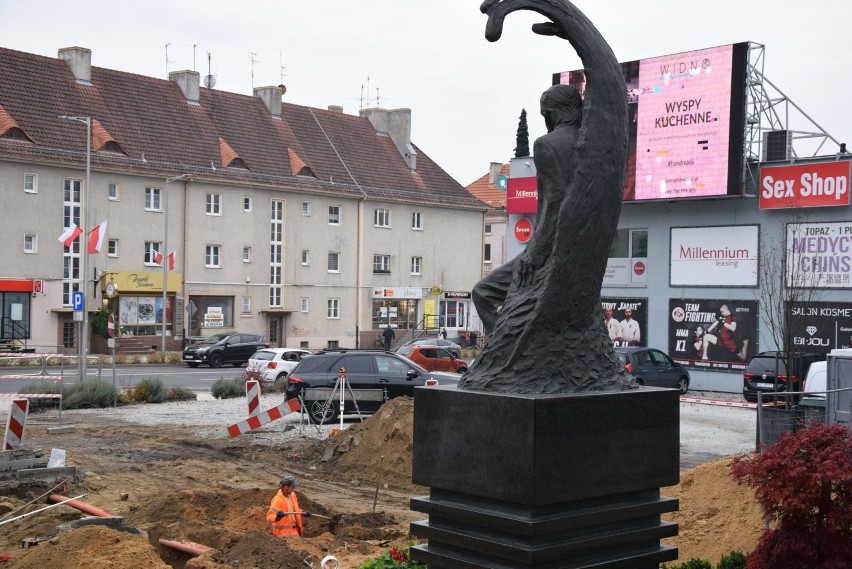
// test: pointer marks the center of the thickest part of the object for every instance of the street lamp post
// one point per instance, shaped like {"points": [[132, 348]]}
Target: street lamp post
{"points": [[84, 249], [165, 253]]}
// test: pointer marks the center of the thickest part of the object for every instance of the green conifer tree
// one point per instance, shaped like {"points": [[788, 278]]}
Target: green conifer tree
{"points": [[522, 139]]}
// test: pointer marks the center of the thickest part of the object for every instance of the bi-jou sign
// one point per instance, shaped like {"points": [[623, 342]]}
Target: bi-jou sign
{"points": [[816, 184]]}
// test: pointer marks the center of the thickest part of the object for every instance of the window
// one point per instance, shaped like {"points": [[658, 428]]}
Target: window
{"points": [[304, 304], [214, 204], [333, 261], [31, 183], [416, 221], [68, 329], [112, 191], [334, 215], [488, 229], [306, 257], [276, 253], [306, 209], [248, 206], [381, 263], [152, 199], [112, 247], [303, 345], [382, 217], [416, 263], [151, 250], [486, 257], [211, 256], [333, 311], [246, 254], [30, 243], [246, 305]]}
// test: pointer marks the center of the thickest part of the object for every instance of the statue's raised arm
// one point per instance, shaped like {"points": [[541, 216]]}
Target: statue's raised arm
{"points": [[541, 311]]}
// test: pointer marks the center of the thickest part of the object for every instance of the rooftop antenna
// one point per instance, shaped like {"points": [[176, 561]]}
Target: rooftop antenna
{"points": [[281, 67], [253, 61], [368, 94], [195, 45], [378, 99], [209, 80], [167, 58]]}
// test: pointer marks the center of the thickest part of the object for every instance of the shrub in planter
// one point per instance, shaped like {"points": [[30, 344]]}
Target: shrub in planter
{"points": [[228, 388], [734, 560]]}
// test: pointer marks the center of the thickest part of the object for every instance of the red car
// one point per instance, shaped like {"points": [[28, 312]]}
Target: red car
{"points": [[432, 358]]}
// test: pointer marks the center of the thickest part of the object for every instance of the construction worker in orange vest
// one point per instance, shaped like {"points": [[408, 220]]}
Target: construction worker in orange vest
{"points": [[284, 513]]}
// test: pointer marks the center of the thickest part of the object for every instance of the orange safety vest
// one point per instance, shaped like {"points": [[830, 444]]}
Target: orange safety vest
{"points": [[291, 524]]}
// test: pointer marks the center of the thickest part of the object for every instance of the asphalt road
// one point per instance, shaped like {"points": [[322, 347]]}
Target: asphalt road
{"points": [[177, 375]]}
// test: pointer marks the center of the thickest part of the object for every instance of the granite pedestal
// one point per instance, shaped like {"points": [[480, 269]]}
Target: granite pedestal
{"points": [[546, 481]]}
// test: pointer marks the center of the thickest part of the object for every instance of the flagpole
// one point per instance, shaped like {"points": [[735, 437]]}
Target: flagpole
{"points": [[83, 343], [165, 255]]}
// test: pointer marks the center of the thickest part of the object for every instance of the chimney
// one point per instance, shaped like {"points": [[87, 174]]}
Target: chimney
{"points": [[494, 172], [271, 97], [189, 83], [396, 123], [79, 60], [335, 108]]}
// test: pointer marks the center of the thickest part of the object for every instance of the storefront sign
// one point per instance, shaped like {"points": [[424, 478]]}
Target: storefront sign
{"points": [[820, 326], [214, 317], [712, 334], [143, 282], [456, 294], [398, 292], [816, 184], [522, 195], [819, 255], [628, 320], [523, 230], [714, 256]]}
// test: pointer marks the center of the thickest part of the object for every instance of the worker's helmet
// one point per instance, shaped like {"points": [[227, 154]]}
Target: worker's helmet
{"points": [[289, 481]]}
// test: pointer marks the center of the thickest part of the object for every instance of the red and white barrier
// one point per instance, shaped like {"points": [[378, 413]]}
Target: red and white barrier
{"points": [[15, 425], [265, 417], [253, 397]]}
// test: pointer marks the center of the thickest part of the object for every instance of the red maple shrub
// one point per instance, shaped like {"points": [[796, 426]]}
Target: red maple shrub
{"points": [[804, 485]]}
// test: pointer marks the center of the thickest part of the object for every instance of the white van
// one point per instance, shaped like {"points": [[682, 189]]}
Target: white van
{"points": [[816, 380]]}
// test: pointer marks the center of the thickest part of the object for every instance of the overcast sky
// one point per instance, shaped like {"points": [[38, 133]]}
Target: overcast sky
{"points": [[465, 93]]}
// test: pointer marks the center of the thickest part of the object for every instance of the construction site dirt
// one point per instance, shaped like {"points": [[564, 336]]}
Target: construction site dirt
{"points": [[191, 483]]}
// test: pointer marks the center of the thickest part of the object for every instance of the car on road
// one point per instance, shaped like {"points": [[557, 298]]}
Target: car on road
{"points": [[433, 358], [653, 367], [767, 373], [451, 347], [374, 376], [233, 348], [271, 366]]}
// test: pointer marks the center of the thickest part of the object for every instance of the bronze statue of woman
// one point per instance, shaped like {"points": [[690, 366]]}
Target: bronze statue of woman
{"points": [[542, 311]]}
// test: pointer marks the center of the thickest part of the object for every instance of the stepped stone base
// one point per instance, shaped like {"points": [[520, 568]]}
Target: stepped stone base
{"points": [[568, 481]]}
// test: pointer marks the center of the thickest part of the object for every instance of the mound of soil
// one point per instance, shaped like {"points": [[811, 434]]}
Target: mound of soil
{"points": [[215, 491]]}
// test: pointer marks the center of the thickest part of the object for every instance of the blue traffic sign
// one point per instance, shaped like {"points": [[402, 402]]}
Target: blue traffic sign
{"points": [[77, 301]]}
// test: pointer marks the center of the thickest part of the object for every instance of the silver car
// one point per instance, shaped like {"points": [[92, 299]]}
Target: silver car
{"points": [[271, 366]]}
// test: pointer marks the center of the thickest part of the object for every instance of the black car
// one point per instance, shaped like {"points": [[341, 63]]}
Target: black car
{"points": [[653, 367], [233, 348], [389, 374], [767, 372]]}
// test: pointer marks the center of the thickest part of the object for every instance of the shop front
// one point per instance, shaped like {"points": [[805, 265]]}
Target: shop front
{"points": [[395, 307], [15, 308], [136, 298]]}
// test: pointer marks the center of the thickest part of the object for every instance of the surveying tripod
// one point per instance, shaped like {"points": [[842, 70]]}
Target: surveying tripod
{"points": [[341, 388]]}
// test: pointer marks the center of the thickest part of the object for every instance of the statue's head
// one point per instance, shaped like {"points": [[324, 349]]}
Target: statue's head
{"points": [[561, 104]]}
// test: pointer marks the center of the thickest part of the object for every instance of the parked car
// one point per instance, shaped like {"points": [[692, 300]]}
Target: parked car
{"points": [[452, 347], [271, 366], [390, 374], [767, 372], [233, 348], [816, 382], [432, 358], [653, 367]]}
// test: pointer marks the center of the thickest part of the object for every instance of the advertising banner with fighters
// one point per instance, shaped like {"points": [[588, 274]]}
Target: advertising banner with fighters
{"points": [[626, 320], [712, 334]]}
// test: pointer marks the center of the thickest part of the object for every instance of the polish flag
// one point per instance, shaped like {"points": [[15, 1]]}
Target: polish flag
{"points": [[96, 237], [158, 258], [70, 234]]}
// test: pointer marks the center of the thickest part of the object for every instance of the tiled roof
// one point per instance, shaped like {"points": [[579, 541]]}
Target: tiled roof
{"points": [[163, 135], [100, 136], [490, 193], [226, 153], [7, 122]]}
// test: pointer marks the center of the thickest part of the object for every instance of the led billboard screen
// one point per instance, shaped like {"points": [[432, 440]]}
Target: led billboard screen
{"points": [[686, 123]]}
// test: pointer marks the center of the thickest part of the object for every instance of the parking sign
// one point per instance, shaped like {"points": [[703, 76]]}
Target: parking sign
{"points": [[77, 301]]}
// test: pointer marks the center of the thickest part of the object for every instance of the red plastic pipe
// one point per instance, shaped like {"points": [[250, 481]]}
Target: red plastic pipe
{"points": [[82, 506], [185, 546]]}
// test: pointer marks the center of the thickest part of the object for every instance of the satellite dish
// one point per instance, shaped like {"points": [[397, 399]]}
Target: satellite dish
{"points": [[282, 88], [209, 81]]}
